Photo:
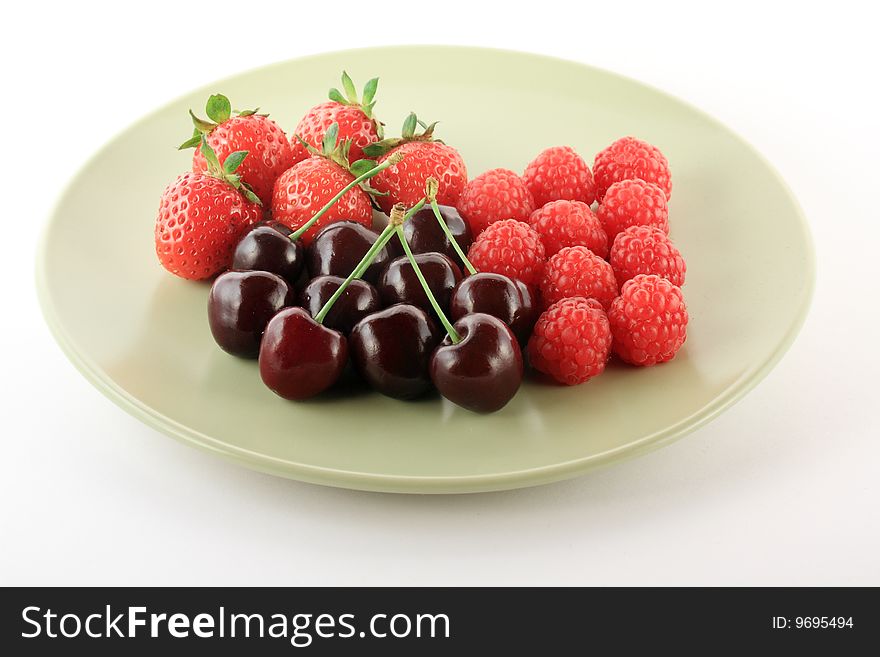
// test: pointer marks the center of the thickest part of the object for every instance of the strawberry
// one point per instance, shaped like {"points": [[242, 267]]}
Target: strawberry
{"points": [[306, 187], [203, 215], [269, 151], [353, 115], [426, 158]]}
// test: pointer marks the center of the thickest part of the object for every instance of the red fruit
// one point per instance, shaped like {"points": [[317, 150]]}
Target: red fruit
{"points": [[354, 116], [269, 153], [631, 158], [569, 223], [493, 196], [201, 218], [633, 203], [578, 272], [558, 173], [307, 186], [648, 320], [405, 182], [646, 250], [571, 341], [511, 248]]}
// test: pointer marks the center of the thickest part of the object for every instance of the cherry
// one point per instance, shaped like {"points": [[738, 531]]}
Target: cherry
{"points": [[339, 247], [240, 305], [483, 370], [494, 294], [266, 247], [299, 357], [392, 348], [425, 234], [357, 301], [400, 284]]}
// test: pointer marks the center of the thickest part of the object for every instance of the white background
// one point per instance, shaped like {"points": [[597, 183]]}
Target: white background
{"points": [[782, 489]]}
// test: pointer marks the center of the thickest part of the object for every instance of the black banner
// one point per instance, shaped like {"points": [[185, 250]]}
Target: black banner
{"points": [[418, 621]]}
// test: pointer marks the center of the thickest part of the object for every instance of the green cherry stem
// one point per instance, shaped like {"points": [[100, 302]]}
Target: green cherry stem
{"points": [[391, 161], [431, 188], [397, 218], [449, 236], [453, 334]]}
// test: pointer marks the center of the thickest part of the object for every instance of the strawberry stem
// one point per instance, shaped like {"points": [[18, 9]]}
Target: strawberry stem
{"points": [[453, 334], [384, 237], [391, 161]]}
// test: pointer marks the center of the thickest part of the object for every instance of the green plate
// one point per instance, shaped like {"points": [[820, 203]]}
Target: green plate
{"points": [[141, 335]]}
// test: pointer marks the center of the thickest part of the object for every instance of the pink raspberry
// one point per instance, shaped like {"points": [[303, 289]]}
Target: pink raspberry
{"points": [[571, 341], [575, 271], [646, 250], [493, 196], [569, 223], [648, 320], [631, 158], [633, 203], [511, 248], [558, 173]]}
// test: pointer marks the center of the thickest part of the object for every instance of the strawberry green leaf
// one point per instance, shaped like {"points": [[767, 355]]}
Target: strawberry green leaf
{"points": [[330, 137], [337, 97], [370, 93], [211, 158], [409, 126], [192, 142], [233, 161], [249, 194], [350, 90], [362, 166], [249, 112], [218, 108], [201, 125]]}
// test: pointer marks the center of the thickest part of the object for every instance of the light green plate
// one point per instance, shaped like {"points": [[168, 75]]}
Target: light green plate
{"points": [[141, 336]]}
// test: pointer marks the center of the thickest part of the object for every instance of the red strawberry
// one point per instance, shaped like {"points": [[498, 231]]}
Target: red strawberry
{"points": [[266, 144], [354, 116], [202, 216], [307, 186], [425, 158]]}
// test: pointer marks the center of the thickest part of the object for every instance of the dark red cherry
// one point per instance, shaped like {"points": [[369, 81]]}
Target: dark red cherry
{"points": [[339, 247], [240, 305], [300, 358], [399, 283], [266, 247], [484, 370], [391, 350], [494, 294], [424, 234], [359, 300]]}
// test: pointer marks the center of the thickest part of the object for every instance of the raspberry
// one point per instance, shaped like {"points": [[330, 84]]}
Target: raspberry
{"points": [[646, 250], [495, 195], [578, 272], [569, 223], [511, 248], [631, 158], [633, 203], [559, 173], [648, 320], [571, 341]]}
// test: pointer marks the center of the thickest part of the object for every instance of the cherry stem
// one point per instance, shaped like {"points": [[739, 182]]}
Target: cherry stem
{"points": [[449, 236], [453, 334], [397, 218], [391, 161]]}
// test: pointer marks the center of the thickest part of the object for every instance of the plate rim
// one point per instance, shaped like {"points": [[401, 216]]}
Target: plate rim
{"points": [[420, 484]]}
